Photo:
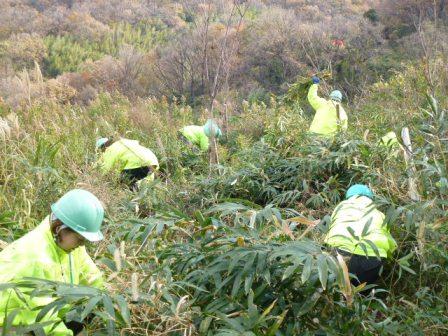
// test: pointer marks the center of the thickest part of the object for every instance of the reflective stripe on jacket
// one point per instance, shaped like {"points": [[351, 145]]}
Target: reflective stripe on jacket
{"points": [[196, 135], [37, 255], [127, 154], [326, 121], [356, 213]]}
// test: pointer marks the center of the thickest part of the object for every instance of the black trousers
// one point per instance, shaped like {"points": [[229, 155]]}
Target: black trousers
{"points": [[76, 327], [183, 139], [366, 269], [132, 176]]}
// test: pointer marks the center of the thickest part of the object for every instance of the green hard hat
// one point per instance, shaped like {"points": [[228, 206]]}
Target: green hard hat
{"points": [[211, 126], [101, 142], [336, 95], [359, 190], [82, 212]]}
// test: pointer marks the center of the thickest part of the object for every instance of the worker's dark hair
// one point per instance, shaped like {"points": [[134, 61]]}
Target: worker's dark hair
{"points": [[110, 141], [55, 222]]}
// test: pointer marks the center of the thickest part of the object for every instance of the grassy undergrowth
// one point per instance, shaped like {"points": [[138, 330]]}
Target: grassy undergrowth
{"points": [[223, 250]]}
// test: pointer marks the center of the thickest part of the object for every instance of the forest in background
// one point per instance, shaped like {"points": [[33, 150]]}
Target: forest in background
{"points": [[216, 248], [200, 51]]}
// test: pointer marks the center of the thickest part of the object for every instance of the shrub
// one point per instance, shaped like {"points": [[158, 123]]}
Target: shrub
{"points": [[23, 50]]}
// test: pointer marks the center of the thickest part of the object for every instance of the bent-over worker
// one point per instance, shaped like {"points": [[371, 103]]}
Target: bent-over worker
{"points": [[134, 161], [53, 251], [199, 136], [372, 243]]}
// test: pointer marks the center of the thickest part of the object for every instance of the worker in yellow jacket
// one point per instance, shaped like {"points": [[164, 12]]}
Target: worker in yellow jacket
{"points": [[199, 136], [132, 160], [53, 251], [330, 116], [389, 142], [358, 231]]}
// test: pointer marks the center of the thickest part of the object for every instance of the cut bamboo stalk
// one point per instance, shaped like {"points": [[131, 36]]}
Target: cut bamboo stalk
{"points": [[213, 151], [412, 172], [117, 259], [122, 249], [421, 241], [134, 286]]}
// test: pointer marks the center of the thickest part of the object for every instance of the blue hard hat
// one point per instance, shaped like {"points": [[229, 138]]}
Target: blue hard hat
{"points": [[359, 190], [336, 95]]}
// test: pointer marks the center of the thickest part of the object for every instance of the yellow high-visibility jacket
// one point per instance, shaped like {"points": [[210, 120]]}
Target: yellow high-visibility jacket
{"points": [[37, 255], [326, 121], [356, 213], [196, 135], [128, 154], [390, 140]]}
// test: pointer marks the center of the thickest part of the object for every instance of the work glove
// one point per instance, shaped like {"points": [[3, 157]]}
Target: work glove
{"points": [[315, 80]]}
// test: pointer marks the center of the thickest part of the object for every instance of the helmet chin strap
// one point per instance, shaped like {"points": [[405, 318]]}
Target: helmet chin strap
{"points": [[62, 227], [59, 229], [53, 218]]}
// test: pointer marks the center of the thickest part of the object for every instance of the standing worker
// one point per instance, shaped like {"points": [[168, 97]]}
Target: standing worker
{"points": [[132, 160], [330, 116], [53, 251], [370, 241], [199, 136]]}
